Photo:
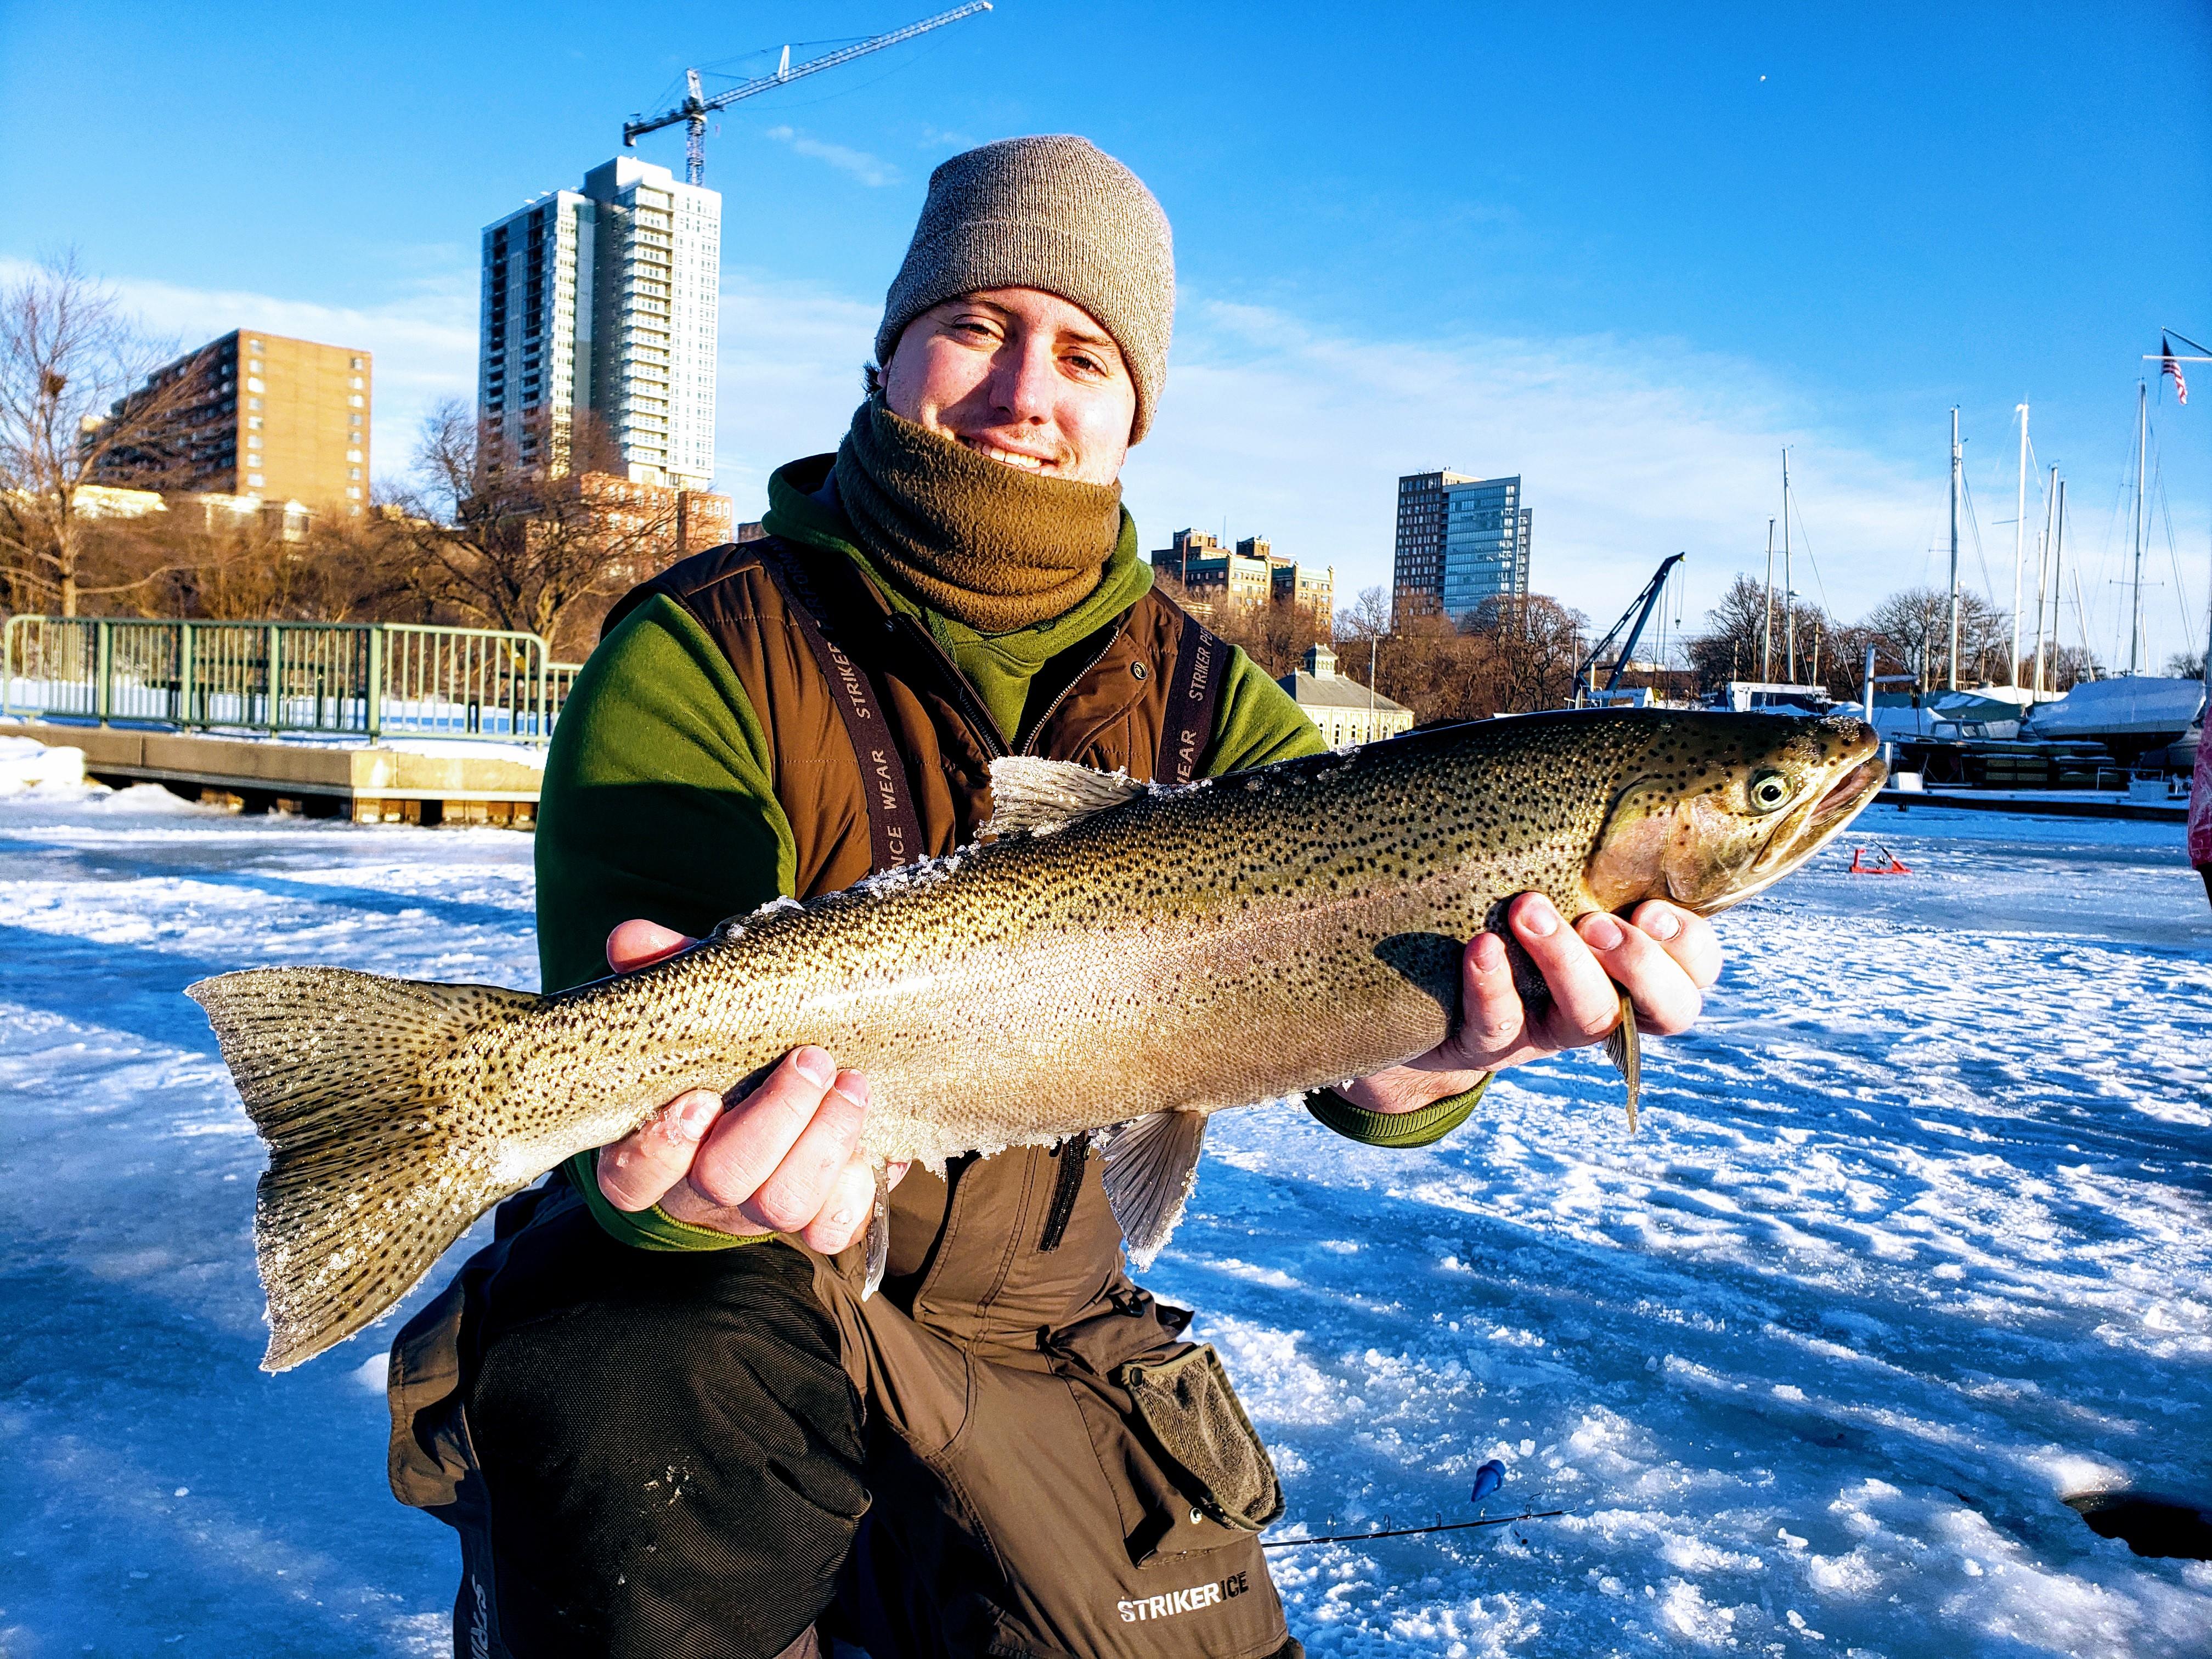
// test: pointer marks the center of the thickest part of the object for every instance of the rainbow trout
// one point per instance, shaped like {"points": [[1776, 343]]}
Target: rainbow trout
{"points": [[1112, 957]]}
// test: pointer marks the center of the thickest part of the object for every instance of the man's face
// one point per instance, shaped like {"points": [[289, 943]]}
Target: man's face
{"points": [[1019, 375]]}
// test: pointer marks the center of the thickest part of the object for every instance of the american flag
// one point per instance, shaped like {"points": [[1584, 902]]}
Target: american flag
{"points": [[2169, 365]]}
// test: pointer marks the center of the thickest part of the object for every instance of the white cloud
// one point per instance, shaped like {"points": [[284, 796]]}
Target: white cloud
{"points": [[1628, 451], [870, 170]]}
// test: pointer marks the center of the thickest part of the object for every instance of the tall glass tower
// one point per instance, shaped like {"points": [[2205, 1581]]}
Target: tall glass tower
{"points": [[599, 311], [1486, 543], [1461, 541]]}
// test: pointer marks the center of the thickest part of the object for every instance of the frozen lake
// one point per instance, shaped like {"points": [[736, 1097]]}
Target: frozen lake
{"points": [[1916, 1238]]}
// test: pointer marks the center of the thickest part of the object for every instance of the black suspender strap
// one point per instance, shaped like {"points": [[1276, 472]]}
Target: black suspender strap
{"points": [[1201, 660], [894, 822]]}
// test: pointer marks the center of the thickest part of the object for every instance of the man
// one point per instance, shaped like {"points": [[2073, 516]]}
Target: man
{"points": [[659, 1409]]}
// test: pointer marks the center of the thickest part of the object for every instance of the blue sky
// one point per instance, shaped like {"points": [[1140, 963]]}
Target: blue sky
{"points": [[1628, 252]]}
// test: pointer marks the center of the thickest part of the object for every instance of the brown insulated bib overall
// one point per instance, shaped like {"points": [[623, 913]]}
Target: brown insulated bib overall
{"points": [[1045, 1468]]}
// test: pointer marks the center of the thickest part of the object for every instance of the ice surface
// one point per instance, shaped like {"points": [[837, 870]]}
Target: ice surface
{"points": [[1913, 1241]]}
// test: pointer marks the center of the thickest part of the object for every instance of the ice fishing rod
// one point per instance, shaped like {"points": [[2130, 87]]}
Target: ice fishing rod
{"points": [[1408, 1532]]}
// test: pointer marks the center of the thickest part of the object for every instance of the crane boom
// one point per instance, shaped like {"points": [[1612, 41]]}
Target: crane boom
{"points": [[1631, 621], [694, 108]]}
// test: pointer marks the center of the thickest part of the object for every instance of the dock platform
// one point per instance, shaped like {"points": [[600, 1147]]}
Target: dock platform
{"points": [[2048, 803], [367, 783]]}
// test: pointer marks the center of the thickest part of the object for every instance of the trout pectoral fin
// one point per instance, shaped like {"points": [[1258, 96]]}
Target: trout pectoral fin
{"points": [[1622, 1048], [879, 1234], [1152, 1164]]}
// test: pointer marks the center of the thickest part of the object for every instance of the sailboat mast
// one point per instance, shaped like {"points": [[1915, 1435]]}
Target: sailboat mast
{"points": [[2043, 572], [1767, 633], [2142, 449], [2057, 571], [2019, 547], [1951, 672], [1789, 586]]}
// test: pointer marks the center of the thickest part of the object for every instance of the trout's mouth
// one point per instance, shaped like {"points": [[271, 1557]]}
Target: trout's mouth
{"points": [[1845, 796]]}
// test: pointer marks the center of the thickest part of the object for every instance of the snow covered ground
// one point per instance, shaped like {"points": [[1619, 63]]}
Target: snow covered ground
{"points": [[1913, 1241]]}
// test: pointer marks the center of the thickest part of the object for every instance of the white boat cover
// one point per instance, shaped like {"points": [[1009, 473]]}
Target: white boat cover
{"points": [[2140, 705]]}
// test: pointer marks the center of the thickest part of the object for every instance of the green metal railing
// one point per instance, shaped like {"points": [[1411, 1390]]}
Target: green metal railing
{"points": [[338, 679]]}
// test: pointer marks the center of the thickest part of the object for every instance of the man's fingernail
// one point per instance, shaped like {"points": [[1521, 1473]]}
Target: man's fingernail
{"points": [[1489, 953], [1600, 933], [693, 1117], [1539, 918], [853, 1087], [815, 1067], [1662, 923]]}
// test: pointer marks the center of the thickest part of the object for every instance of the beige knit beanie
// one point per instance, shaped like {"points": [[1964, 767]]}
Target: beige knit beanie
{"points": [[1055, 213]]}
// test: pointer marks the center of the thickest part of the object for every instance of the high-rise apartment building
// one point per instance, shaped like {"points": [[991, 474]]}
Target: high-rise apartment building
{"points": [[1461, 540], [597, 350], [251, 413]]}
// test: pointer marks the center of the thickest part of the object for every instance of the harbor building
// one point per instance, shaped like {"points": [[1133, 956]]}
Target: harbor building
{"points": [[1344, 711], [256, 417], [598, 327], [1461, 540], [1251, 573]]}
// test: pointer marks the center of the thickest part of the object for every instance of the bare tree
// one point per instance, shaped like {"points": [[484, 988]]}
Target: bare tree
{"points": [[492, 540], [77, 411], [1914, 625], [1367, 618], [343, 568], [1735, 643], [1530, 647]]}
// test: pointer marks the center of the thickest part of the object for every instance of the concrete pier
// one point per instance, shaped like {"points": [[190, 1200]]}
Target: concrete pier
{"points": [[2049, 803], [368, 784]]}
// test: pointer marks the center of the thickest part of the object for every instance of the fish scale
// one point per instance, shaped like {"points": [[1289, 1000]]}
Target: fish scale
{"points": [[1115, 955]]}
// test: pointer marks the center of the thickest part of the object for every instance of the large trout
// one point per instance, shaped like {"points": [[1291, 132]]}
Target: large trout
{"points": [[1115, 957]]}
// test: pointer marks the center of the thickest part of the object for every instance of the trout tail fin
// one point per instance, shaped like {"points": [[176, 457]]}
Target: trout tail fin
{"points": [[377, 1160]]}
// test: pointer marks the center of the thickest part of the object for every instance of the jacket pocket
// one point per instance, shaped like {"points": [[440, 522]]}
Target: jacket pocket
{"points": [[1192, 1418]]}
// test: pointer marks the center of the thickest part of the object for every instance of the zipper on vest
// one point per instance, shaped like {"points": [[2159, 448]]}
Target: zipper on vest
{"points": [[1074, 680]]}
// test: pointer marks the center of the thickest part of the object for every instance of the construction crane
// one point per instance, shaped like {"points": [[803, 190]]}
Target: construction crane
{"points": [[1631, 621], [695, 107]]}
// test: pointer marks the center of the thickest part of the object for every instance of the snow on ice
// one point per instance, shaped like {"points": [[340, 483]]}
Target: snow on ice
{"points": [[1914, 1242]]}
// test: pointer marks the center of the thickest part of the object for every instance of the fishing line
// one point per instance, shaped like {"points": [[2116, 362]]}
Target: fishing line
{"points": [[1408, 1532]]}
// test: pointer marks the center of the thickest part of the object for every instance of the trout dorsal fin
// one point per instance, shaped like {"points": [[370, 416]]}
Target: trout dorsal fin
{"points": [[1040, 796], [1152, 1164]]}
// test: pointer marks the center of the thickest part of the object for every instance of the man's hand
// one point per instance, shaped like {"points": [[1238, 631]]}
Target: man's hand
{"points": [[785, 1158], [1663, 956]]}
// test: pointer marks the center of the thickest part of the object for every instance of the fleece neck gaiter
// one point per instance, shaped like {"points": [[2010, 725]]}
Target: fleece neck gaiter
{"points": [[983, 543]]}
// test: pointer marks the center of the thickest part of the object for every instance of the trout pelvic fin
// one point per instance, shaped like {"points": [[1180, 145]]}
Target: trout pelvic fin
{"points": [[1624, 1050], [1039, 796], [372, 1171], [1152, 1164]]}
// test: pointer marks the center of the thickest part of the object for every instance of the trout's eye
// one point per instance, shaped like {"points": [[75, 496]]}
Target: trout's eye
{"points": [[1770, 792]]}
